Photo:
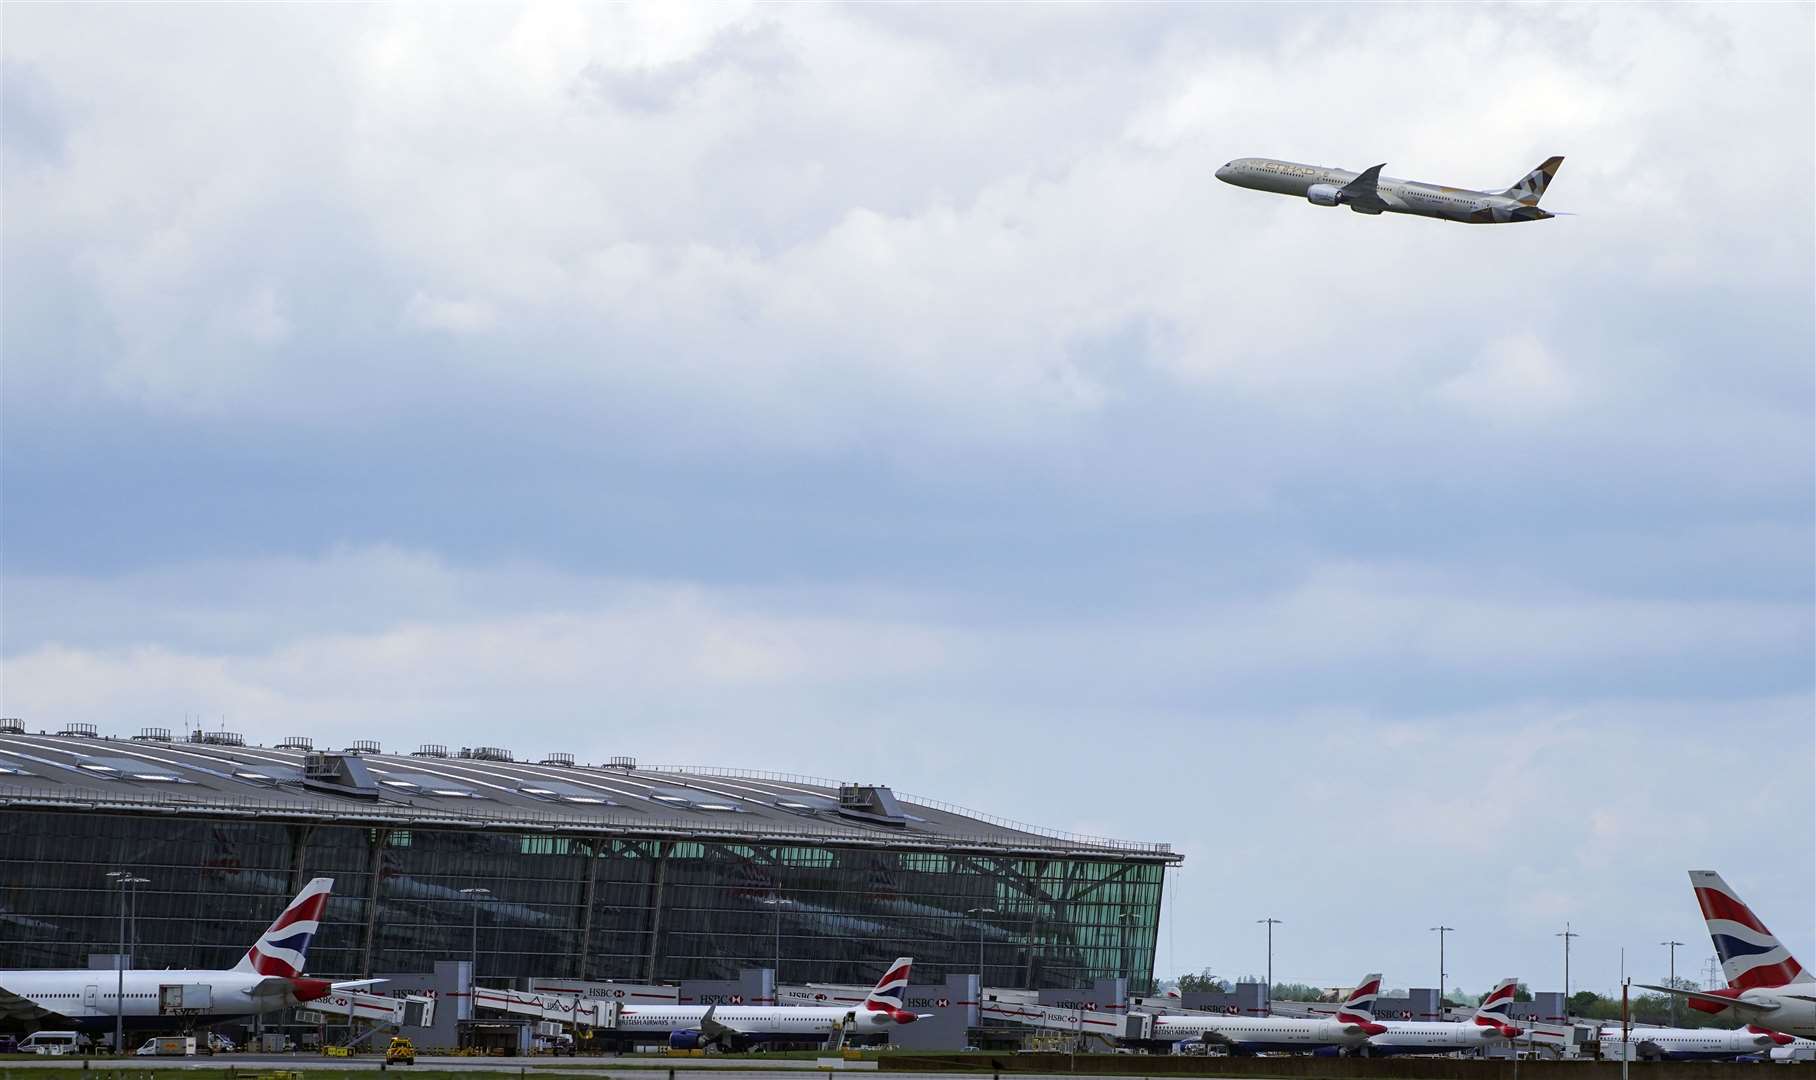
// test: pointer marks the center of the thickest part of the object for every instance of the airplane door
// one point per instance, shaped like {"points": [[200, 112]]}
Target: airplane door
{"points": [[90, 996]]}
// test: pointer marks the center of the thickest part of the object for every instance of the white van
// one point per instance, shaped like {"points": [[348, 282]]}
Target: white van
{"points": [[52, 1042]]}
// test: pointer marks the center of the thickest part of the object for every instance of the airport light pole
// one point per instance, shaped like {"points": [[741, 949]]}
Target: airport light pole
{"points": [[1672, 947], [1268, 1000], [125, 879], [1567, 934], [979, 912], [776, 901], [1124, 958], [1441, 930], [474, 894]]}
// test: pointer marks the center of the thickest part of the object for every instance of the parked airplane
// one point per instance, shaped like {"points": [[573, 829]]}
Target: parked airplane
{"points": [[1488, 1027], [1350, 1029], [1368, 192], [1696, 1044], [692, 1027], [1766, 984], [268, 978]]}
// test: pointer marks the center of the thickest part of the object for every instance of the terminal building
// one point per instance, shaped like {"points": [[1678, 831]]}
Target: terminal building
{"points": [[543, 868]]}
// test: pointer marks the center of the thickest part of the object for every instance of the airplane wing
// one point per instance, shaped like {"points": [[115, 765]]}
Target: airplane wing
{"points": [[1713, 999], [19, 1007], [712, 1028], [1363, 189]]}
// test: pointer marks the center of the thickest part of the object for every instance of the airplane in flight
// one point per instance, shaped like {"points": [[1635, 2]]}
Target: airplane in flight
{"points": [[1368, 192], [693, 1027], [1766, 987], [1488, 1027], [1350, 1029], [1698, 1044], [268, 978]]}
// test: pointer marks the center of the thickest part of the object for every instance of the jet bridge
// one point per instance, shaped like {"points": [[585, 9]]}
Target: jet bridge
{"points": [[558, 1008], [1085, 1023], [412, 1011]]}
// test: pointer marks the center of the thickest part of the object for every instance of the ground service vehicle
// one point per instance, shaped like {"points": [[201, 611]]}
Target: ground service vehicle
{"points": [[401, 1052], [168, 1046], [51, 1042]]}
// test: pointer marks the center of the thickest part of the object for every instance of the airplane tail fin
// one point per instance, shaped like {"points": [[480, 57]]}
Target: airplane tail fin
{"points": [[1531, 188], [1359, 1006], [283, 948], [887, 996], [1751, 956], [1496, 1009]]}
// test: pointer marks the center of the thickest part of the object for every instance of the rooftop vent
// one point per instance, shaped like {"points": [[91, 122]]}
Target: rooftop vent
{"points": [[557, 759], [297, 742], [12, 725], [87, 731], [869, 802], [625, 763], [152, 734], [364, 746], [218, 738], [431, 749], [338, 774], [485, 753]]}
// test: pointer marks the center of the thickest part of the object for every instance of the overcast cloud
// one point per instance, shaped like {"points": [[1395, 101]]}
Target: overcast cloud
{"points": [[876, 391]]}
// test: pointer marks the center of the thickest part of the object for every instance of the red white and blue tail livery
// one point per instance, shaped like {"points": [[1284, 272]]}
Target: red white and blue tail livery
{"points": [[887, 996], [1496, 1009], [283, 949], [1766, 984], [1359, 1006], [1750, 956]]}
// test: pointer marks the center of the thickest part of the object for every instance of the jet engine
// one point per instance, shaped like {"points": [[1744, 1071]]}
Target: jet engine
{"points": [[685, 1040], [1323, 194]]}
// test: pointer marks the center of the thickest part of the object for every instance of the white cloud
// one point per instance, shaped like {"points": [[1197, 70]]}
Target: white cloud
{"points": [[1515, 378], [453, 316]]}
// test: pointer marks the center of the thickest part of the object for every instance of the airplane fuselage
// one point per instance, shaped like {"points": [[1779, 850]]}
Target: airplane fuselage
{"points": [[1789, 1009], [736, 1024], [1319, 183], [1435, 1037], [1690, 1044], [90, 999], [1259, 1033]]}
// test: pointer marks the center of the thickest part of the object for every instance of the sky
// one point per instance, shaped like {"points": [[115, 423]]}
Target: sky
{"points": [[890, 393]]}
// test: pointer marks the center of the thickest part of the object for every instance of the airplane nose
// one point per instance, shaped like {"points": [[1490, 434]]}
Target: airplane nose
{"points": [[1223, 174]]}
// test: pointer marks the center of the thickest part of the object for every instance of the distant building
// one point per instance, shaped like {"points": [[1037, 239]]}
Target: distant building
{"points": [[587, 871]]}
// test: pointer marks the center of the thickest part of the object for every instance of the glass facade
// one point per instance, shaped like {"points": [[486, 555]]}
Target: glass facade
{"points": [[658, 910]]}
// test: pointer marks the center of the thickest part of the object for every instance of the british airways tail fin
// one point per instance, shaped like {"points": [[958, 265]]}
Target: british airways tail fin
{"points": [[1532, 187], [1359, 1006], [1751, 957], [887, 995], [283, 949], [1496, 1009]]}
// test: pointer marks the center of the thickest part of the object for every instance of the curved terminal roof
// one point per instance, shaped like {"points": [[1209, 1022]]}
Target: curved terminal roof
{"points": [[210, 774]]}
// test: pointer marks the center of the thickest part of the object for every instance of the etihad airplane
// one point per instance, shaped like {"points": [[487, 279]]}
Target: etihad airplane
{"points": [[268, 978], [1488, 1027], [1350, 1029], [1368, 192], [1697, 1044], [693, 1027], [1766, 984]]}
